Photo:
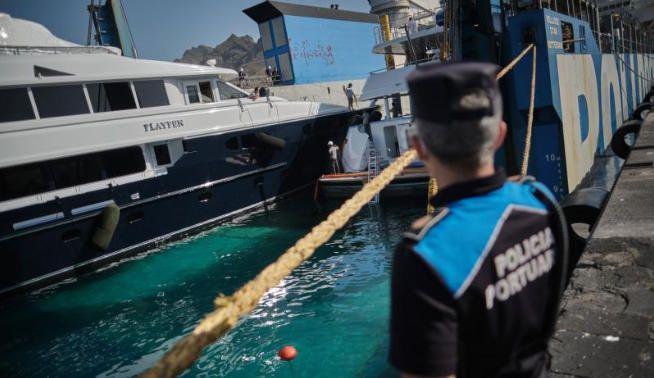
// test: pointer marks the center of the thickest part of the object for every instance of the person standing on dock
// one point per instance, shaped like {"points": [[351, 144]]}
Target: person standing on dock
{"points": [[333, 157], [475, 287]]}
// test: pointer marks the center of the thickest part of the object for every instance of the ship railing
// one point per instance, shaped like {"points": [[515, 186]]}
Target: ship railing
{"points": [[613, 26], [425, 19], [255, 81]]}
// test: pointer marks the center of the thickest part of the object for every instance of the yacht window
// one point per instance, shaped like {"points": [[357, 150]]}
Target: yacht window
{"points": [[227, 92], [206, 91], [15, 105], [22, 180], [25, 180], [193, 96], [106, 97], [76, 170], [60, 100], [162, 154], [123, 162], [151, 93]]}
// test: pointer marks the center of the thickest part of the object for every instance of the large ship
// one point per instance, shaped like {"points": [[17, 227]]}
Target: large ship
{"points": [[593, 69], [102, 155]]}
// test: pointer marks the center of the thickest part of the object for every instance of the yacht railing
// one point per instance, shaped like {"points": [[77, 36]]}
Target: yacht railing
{"points": [[20, 50]]}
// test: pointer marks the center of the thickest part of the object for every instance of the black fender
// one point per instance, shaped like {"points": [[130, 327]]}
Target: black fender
{"points": [[618, 144], [641, 111], [581, 207]]}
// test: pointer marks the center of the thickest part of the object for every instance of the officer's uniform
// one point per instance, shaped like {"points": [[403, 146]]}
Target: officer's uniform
{"points": [[476, 287]]}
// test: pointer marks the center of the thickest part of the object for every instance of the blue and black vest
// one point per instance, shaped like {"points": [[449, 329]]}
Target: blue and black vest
{"points": [[476, 288]]}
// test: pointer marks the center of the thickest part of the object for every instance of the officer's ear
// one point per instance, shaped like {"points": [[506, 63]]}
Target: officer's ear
{"points": [[419, 146], [500, 136]]}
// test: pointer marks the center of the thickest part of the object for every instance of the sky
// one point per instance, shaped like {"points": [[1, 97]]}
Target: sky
{"points": [[162, 29]]}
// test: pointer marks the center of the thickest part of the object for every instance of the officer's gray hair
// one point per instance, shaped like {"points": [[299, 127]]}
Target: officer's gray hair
{"points": [[464, 144]]}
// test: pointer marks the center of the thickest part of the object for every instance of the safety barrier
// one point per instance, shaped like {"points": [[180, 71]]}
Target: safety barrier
{"points": [[229, 309]]}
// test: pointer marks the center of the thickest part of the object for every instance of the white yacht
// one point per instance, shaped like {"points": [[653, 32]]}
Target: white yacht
{"points": [[102, 156]]}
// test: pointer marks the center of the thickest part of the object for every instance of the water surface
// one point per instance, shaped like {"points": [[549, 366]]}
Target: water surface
{"points": [[117, 322]]}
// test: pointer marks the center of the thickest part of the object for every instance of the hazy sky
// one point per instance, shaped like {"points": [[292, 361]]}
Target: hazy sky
{"points": [[162, 29]]}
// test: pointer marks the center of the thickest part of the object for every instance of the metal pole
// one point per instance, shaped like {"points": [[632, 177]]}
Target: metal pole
{"points": [[567, 7], [611, 33], [597, 26]]}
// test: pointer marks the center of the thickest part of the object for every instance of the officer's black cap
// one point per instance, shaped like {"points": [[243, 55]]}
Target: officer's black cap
{"points": [[449, 92]]}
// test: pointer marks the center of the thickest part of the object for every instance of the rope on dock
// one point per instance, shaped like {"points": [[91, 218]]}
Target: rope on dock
{"points": [[229, 309]]}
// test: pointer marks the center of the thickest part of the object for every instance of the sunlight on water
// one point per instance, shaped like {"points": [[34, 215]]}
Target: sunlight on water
{"points": [[118, 322]]}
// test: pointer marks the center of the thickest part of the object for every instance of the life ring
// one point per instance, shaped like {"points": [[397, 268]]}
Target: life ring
{"points": [[618, 144], [107, 226]]}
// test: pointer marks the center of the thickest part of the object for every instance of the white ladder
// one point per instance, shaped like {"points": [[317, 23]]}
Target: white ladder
{"points": [[373, 167]]}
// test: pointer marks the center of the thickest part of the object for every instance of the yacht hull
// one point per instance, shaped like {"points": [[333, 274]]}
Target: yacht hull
{"points": [[209, 184]]}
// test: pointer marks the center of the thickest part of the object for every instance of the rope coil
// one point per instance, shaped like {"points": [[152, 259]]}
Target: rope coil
{"points": [[229, 309]]}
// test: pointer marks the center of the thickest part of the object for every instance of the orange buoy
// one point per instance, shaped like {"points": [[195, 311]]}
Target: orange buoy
{"points": [[287, 353]]}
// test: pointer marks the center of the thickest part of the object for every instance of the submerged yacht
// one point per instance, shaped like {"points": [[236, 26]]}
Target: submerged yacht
{"points": [[102, 156]]}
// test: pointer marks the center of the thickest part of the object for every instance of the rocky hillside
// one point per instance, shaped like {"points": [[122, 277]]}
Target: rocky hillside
{"points": [[234, 52]]}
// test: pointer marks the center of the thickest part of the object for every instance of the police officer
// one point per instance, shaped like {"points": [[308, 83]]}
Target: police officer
{"points": [[476, 286]]}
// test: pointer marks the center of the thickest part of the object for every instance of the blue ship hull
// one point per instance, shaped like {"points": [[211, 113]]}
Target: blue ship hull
{"points": [[209, 184], [581, 97]]}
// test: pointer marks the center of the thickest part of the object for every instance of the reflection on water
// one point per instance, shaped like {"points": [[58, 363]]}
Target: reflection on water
{"points": [[118, 322]]}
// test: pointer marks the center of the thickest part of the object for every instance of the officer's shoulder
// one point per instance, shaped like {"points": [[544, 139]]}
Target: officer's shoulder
{"points": [[421, 226]]}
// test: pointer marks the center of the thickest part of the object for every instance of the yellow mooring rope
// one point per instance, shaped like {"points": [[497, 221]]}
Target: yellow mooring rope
{"points": [[228, 310], [530, 118]]}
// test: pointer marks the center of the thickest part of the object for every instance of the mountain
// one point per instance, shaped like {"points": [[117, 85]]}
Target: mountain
{"points": [[235, 52]]}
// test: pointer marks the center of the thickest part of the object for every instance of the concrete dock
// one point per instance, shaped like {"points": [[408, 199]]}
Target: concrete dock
{"points": [[606, 327]]}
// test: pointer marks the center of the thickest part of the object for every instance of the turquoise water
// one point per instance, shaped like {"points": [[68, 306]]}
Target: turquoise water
{"points": [[118, 322]]}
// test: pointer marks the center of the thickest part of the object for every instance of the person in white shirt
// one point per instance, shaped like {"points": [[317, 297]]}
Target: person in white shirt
{"points": [[333, 157]]}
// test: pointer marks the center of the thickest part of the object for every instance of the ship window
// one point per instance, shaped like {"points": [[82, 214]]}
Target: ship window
{"points": [[15, 105], [60, 101], [280, 33], [162, 154], [193, 96], [232, 143], [76, 170], [567, 36], [266, 37], [21, 181], [151, 93], [206, 91], [123, 162], [106, 97], [227, 92]]}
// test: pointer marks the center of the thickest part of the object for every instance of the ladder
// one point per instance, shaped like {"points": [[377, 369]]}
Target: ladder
{"points": [[373, 167]]}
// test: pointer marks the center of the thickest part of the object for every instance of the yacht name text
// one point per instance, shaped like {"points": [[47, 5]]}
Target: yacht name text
{"points": [[153, 126]]}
